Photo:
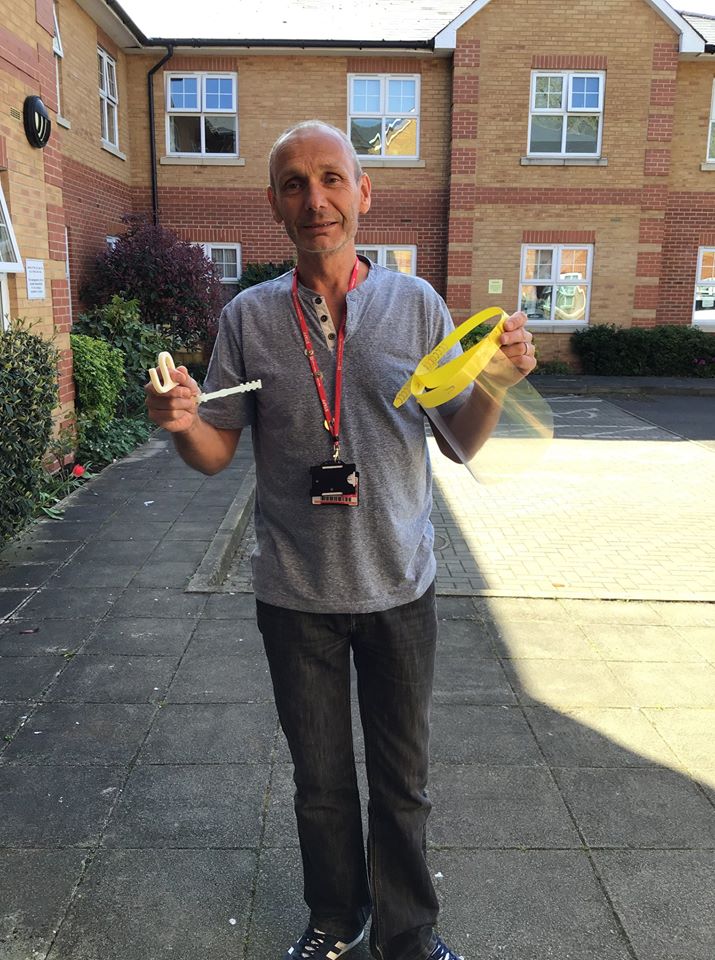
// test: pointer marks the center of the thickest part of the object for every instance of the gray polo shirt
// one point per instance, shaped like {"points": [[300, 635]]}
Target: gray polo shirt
{"points": [[334, 559]]}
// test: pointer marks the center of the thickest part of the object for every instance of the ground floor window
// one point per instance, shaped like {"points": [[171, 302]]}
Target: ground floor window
{"points": [[226, 259], [704, 308], [556, 283], [4, 303], [401, 259]]}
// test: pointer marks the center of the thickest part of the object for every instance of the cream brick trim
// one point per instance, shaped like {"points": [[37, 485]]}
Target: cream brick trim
{"points": [[555, 327], [391, 162], [710, 165], [564, 161], [110, 148], [63, 122], [203, 161]]}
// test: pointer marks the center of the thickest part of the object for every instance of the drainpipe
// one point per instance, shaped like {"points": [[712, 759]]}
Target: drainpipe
{"points": [[152, 135]]}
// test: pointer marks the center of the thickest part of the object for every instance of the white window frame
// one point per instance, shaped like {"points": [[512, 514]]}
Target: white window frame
{"points": [[567, 110], [711, 131], [106, 97], [16, 265], [59, 53], [707, 323], [208, 249], [383, 114], [201, 111], [4, 302], [384, 248], [555, 282]]}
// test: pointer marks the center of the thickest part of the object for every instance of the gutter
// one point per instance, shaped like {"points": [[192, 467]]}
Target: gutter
{"points": [[152, 133], [294, 44]]}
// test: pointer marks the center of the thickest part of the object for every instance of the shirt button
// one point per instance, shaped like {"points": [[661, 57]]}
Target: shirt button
{"points": [[318, 299], [324, 319], [331, 336]]}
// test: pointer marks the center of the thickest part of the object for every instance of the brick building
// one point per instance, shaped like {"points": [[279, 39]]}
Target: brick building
{"points": [[567, 166]]}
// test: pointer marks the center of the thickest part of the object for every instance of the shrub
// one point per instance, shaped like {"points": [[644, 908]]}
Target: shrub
{"points": [[254, 273], [119, 324], [28, 395], [475, 335], [99, 376], [101, 443], [668, 350], [176, 285]]}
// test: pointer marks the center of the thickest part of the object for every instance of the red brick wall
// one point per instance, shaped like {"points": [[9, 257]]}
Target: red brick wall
{"points": [[689, 224]]}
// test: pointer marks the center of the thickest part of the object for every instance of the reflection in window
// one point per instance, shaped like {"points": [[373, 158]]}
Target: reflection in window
{"points": [[202, 114], [401, 259], [384, 115], [566, 115], [555, 283], [704, 309]]}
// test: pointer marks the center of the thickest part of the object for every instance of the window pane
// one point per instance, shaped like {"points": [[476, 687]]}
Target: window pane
{"points": [[549, 93], [707, 268], [185, 134], [705, 302], [711, 153], [574, 264], [226, 262], [219, 93], [183, 93], [399, 260], [400, 137], [582, 135], [371, 253], [545, 134], [401, 96], [585, 93], [539, 264], [103, 117], [100, 70], [366, 96], [111, 80], [220, 132], [111, 123], [7, 254], [536, 302], [570, 303], [366, 136]]}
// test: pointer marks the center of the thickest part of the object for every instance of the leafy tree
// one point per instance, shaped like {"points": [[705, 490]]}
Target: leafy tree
{"points": [[175, 283]]}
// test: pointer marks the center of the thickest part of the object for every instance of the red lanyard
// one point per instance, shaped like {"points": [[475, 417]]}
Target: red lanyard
{"points": [[332, 423]]}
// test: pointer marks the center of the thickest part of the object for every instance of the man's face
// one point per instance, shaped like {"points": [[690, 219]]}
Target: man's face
{"points": [[314, 193]]}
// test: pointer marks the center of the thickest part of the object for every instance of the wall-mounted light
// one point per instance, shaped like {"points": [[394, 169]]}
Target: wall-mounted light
{"points": [[38, 125]]}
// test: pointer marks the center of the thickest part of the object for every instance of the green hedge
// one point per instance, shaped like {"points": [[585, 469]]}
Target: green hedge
{"points": [[98, 375], [28, 395], [667, 351]]}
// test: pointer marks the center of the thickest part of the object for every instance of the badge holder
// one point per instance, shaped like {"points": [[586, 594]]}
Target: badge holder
{"points": [[334, 482]]}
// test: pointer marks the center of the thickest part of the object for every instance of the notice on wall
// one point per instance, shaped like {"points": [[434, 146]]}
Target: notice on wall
{"points": [[496, 286], [35, 279]]}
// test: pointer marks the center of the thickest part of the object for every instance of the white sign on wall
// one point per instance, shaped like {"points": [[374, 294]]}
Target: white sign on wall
{"points": [[35, 278]]}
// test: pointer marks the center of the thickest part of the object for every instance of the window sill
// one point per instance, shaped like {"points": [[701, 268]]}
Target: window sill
{"points": [[540, 327], [115, 151], [370, 162], [63, 122], [710, 165], [564, 162], [707, 325], [204, 161]]}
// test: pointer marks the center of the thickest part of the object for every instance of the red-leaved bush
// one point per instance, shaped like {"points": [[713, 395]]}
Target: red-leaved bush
{"points": [[175, 283]]}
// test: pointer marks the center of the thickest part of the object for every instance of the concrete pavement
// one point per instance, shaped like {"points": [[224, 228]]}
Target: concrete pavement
{"points": [[145, 785]]}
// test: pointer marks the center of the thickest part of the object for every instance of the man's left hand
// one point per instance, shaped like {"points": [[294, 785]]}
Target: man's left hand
{"points": [[517, 344]]}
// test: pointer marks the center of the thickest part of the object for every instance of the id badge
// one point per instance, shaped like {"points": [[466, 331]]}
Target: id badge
{"points": [[334, 482]]}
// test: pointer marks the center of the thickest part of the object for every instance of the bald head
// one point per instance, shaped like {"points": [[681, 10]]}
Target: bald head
{"points": [[307, 127]]}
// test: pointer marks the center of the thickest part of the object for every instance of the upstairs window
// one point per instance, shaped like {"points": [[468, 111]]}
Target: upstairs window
{"points": [[401, 259], [704, 309], [556, 283], [201, 114], [566, 116], [59, 54], [711, 132], [108, 99], [384, 112]]}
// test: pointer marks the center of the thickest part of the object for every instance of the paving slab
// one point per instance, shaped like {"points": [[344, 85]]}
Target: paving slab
{"points": [[659, 685], [689, 732], [665, 899], [108, 678], [35, 887], [26, 678], [468, 733], [221, 678], [140, 636], [166, 904]]}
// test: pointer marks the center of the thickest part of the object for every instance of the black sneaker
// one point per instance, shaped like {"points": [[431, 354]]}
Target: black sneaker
{"points": [[442, 952], [316, 945]]}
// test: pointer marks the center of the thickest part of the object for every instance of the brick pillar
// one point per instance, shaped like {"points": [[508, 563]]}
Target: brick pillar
{"points": [[463, 170]]}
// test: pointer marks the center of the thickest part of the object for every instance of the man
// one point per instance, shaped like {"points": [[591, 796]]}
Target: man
{"points": [[344, 556]]}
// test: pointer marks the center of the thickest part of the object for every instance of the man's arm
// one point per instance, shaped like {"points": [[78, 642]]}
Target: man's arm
{"points": [[472, 425], [202, 446]]}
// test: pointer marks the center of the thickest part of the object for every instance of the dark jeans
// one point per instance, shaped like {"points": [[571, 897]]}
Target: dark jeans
{"points": [[393, 651]]}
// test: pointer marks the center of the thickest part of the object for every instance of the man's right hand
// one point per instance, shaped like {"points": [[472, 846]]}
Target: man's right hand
{"points": [[177, 410]]}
